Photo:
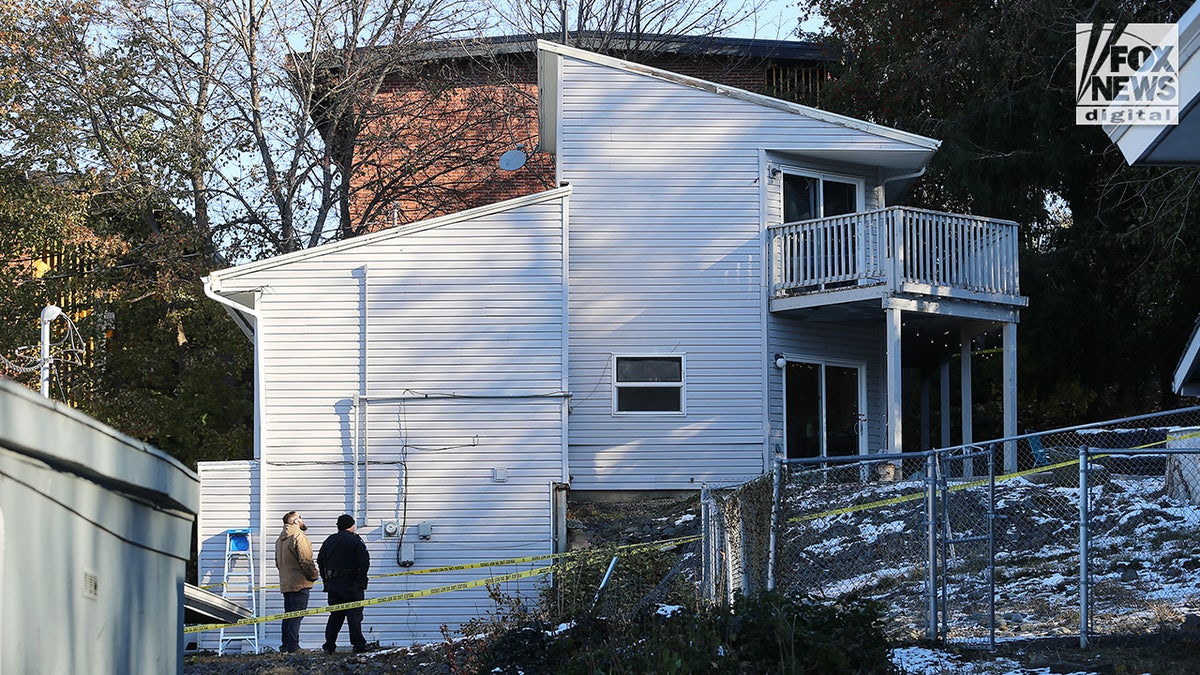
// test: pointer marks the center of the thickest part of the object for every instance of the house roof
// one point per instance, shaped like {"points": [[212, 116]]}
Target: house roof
{"points": [[201, 606], [601, 41], [240, 301], [1187, 373], [912, 159], [1170, 144]]}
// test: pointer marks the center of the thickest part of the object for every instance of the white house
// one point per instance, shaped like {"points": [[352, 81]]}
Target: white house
{"points": [[720, 278]]}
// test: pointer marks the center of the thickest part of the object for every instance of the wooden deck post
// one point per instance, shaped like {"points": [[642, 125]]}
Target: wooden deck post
{"points": [[1010, 395], [968, 420], [944, 402], [894, 377]]}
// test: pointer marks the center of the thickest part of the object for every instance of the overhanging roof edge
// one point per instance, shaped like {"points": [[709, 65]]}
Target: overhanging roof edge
{"points": [[1189, 361], [217, 278], [891, 133]]}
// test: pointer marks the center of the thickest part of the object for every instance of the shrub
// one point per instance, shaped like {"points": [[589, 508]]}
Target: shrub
{"points": [[767, 633]]}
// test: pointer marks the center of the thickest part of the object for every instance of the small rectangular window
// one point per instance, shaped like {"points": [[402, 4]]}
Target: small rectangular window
{"points": [[648, 384]]}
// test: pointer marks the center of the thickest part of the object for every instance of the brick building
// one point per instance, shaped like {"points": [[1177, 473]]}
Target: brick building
{"points": [[442, 119]]}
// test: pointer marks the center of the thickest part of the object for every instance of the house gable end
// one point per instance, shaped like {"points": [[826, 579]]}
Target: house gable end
{"points": [[551, 83], [242, 277]]}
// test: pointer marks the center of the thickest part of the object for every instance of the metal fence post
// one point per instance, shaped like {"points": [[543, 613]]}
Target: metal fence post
{"points": [[776, 495], [931, 543], [706, 547], [1083, 547], [991, 545]]}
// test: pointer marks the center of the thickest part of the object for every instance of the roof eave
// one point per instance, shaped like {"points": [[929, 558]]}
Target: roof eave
{"points": [[1186, 381], [216, 281], [890, 133]]}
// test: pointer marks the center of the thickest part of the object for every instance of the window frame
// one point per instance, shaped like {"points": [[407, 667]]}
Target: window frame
{"points": [[618, 386], [859, 183], [823, 364]]}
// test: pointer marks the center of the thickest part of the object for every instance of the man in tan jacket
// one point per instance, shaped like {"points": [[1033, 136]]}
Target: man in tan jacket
{"points": [[297, 572]]}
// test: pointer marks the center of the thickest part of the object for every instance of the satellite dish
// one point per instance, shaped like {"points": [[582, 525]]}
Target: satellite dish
{"points": [[513, 160]]}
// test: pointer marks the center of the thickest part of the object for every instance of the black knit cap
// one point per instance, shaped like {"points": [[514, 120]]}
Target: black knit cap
{"points": [[345, 521]]}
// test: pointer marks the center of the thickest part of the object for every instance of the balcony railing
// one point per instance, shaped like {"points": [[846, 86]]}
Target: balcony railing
{"points": [[899, 248]]}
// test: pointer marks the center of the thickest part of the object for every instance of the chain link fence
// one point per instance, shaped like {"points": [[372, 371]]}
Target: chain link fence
{"points": [[982, 542], [736, 531], [1143, 530]]}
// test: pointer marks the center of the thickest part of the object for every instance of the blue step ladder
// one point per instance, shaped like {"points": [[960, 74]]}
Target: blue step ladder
{"points": [[237, 586]]}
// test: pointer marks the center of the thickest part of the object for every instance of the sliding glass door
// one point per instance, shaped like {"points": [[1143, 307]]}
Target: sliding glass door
{"points": [[824, 403]]}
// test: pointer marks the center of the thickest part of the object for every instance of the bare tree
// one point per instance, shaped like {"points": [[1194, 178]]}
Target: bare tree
{"points": [[623, 25], [275, 125], [242, 117], [270, 97]]}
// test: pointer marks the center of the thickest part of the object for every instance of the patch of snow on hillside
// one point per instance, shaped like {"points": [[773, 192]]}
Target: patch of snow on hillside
{"points": [[922, 661], [871, 532]]}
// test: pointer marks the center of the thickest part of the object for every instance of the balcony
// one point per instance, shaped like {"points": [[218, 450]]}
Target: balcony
{"points": [[890, 252]]}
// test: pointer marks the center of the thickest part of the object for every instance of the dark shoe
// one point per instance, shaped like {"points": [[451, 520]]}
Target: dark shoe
{"points": [[328, 650], [359, 649]]}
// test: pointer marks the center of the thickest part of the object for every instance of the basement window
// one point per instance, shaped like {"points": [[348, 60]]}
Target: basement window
{"points": [[648, 384]]}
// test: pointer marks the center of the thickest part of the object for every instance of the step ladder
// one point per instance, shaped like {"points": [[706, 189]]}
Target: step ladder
{"points": [[238, 587]]}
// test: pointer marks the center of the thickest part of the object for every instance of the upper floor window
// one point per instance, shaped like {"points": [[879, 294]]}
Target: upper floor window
{"points": [[648, 384], [806, 197]]}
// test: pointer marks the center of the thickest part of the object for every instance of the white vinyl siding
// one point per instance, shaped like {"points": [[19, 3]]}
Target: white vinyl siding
{"points": [[398, 373], [229, 500], [675, 264], [671, 266]]}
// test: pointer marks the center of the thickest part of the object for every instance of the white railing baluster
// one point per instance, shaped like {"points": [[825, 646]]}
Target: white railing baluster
{"points": [[893, 246]]}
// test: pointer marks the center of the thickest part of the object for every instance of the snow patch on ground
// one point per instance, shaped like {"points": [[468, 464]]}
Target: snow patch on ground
{"points": [[923, 661]]}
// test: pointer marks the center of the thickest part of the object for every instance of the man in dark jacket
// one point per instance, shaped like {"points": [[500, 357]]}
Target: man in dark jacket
{"points": [[344, 562]]}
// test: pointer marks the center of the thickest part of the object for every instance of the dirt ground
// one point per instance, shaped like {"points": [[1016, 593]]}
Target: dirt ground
{"points": [[1156, 655]]}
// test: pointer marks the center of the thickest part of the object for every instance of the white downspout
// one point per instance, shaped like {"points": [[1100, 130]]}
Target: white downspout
{"points": [[259, 425], [905, 176]]}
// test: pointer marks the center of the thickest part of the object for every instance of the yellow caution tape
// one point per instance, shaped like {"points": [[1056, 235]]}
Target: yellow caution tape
{"points": [[964, 486], [536, 558], [663, 543], [373, 601]]}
